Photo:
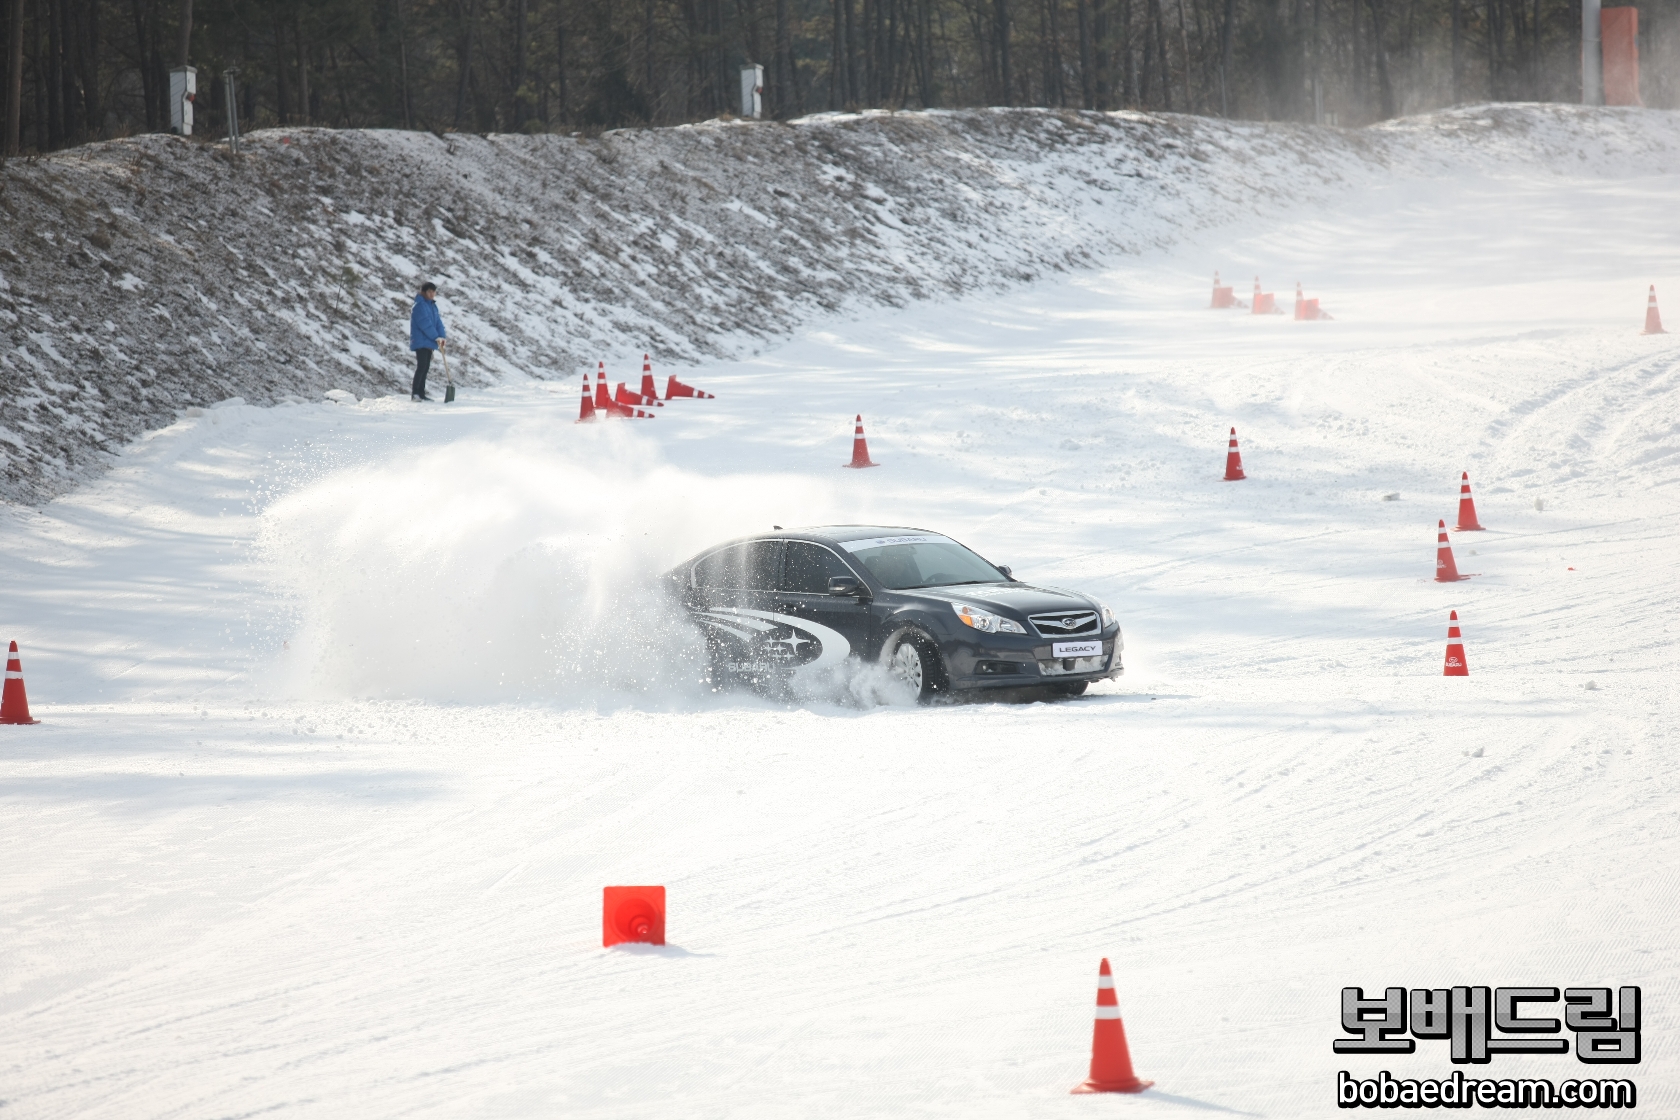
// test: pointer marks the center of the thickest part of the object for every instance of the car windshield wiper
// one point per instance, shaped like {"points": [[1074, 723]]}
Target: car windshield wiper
{"points": [[953, 583]]}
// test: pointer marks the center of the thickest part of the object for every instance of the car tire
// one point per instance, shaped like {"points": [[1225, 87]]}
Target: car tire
{"points": [[913, 664], [1071, 688]]}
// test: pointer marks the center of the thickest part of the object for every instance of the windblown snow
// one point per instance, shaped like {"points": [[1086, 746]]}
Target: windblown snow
{"points": [[351, 708]]}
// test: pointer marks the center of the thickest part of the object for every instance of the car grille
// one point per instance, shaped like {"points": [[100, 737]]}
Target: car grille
{"points": [[1065, 623]]}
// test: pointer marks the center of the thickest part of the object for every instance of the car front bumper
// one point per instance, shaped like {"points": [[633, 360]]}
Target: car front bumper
{"points": [[1010, 661]]}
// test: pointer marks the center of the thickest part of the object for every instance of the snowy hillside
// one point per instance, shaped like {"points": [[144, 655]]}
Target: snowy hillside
{"points": [[141, 276]]}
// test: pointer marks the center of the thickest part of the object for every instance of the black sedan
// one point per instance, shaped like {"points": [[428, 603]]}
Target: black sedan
{"points": [[809, 605]]}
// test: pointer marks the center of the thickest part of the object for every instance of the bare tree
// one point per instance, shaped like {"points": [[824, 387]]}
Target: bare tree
{"points": [[14, 78]]}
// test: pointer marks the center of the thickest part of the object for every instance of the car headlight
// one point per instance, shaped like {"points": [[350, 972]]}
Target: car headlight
{"points": [[1108, 616], [985, 621]]}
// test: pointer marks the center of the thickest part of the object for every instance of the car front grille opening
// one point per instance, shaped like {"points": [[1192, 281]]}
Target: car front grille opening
{"points": [[1065, 623], [996, 668]]}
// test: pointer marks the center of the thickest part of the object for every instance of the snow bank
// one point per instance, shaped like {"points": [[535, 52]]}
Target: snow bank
{"points": [[142, 276]]}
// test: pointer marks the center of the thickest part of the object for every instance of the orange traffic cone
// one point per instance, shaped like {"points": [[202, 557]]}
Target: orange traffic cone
{"points": [[1456, 666], [14, 702], [1306, 310], [650, 391], [860, 449], [1233, 461], [1467, 522], [1653, 321], [608, 408], [633, 914], [1265, 303], [625, 397], [1445, 570], [675, 388], [1222, 297], [586, 410], [603, 397], [1111, 1062]]}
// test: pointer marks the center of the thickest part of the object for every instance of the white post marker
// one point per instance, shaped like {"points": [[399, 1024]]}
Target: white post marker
{"points": [[1592, 54], [232, 99], [183, 90], [752, 92]]}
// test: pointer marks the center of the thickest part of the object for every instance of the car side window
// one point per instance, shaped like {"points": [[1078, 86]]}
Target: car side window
{"points": [[722, 568], [744, 567], [806, 568]]}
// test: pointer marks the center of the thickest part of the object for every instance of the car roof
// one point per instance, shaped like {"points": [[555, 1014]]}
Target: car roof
{"points": [[840, 534], [827, 534]]}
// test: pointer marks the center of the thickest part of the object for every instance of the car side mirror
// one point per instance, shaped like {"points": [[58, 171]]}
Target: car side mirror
{"points": [[846, 585], [1007, 574]]}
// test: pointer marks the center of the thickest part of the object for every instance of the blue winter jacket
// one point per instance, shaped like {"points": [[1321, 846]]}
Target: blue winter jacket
{"points": [[425, 325]]}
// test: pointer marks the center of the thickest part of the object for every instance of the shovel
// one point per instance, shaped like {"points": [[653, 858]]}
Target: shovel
{"points": [[448, 385]]}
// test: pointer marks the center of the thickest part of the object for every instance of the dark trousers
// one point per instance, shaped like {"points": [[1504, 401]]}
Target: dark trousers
{"points": [[422, 363]]}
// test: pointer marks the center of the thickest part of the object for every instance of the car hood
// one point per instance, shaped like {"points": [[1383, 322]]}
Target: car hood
{"points": [[1019, 598]]}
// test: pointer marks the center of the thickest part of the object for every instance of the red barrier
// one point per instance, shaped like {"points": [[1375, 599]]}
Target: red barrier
{"points": [[1618, 30]]}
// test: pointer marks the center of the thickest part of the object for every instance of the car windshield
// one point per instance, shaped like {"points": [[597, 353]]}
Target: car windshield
{"points": [[921, 560]]}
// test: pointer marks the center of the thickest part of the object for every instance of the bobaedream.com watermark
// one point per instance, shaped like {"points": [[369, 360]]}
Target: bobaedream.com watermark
{"points": [[1468, 1017]]}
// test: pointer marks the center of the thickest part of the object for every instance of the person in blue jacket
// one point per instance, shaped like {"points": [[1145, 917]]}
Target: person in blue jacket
{"points": [[425, 334]]}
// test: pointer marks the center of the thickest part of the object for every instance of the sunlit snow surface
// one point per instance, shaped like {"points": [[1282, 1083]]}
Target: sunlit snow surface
{"points": [[351, 710]]}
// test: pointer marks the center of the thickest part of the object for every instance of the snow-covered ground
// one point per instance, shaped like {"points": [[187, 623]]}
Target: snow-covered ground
{"points": [[350, 710]]}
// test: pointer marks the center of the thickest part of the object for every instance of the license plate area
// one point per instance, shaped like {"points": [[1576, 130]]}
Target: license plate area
{"points": [[1072, 666], [1077, 649]]}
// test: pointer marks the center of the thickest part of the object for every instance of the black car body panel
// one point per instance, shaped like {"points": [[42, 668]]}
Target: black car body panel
{"points": [[765, 606]]}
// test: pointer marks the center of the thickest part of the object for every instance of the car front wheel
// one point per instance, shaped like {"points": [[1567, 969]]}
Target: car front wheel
{"points": [[914, 669]]}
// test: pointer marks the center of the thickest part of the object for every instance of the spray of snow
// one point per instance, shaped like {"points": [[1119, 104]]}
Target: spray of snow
{"points": [[855, 683], [518, 570]]}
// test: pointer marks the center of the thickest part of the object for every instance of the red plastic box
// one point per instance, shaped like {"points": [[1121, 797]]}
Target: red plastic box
{"points": [[633, 914]]}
